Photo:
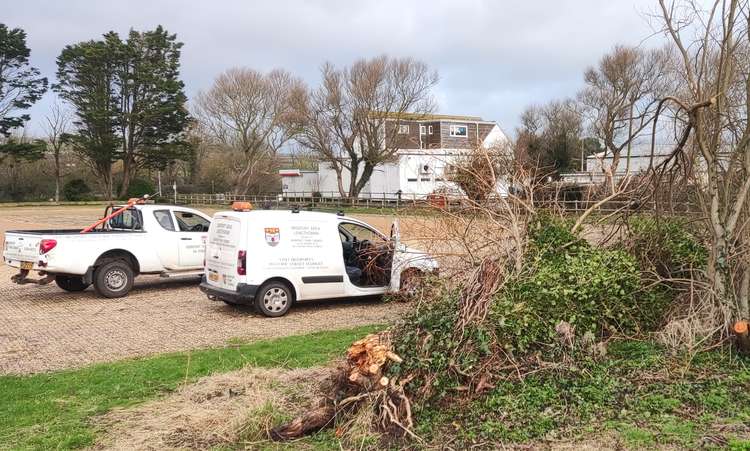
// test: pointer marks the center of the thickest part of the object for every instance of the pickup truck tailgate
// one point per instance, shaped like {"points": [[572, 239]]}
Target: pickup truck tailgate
{"points": [[21, 247]]}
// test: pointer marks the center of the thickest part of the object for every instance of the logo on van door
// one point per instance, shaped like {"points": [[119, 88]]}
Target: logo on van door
{"points": [[272, 236]]}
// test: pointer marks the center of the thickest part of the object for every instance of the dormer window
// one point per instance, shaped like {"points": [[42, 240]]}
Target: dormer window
{"points": [[459, 131], [403, 129]]}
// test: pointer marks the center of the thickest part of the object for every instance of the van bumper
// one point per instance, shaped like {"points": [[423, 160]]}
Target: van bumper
{"points": [[245, 294]]}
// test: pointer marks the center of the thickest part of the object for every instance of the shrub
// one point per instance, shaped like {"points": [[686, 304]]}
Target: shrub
{"points": [[666, 245], [75, 190], [596, 290], [427, 337], [138, 187]]}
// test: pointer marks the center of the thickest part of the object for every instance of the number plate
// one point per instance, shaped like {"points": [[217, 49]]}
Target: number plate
{"points": [[27, 265], [213, 277]]}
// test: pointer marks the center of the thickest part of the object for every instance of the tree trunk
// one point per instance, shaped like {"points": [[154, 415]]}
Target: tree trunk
{"points": [[366, 174], [743, 303], [58, 177], [127, 176]]}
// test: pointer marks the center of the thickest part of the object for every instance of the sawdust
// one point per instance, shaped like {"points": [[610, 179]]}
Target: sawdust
{"points": [[207, 413]]}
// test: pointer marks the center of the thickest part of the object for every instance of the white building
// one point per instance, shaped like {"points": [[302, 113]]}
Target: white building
{"points": [[428, 146]]}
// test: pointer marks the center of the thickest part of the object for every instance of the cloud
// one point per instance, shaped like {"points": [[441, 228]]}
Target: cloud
{"points": [[494, 57]]}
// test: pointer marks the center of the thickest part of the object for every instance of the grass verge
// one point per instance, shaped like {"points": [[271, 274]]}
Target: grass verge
{"points": [[51, 410]]}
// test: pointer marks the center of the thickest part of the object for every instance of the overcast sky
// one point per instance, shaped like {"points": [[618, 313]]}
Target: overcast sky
{"points": [[494, 57]]}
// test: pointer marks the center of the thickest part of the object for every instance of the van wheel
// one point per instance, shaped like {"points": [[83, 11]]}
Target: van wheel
{"points": [[71, 283], [274, 299], [113, 279]]}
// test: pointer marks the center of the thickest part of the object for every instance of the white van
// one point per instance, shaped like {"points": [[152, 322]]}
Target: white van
{"points": [[273, 258]]}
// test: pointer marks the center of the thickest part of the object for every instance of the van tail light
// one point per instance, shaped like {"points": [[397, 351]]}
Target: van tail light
{"points": [[241, 263], [46, 246]]}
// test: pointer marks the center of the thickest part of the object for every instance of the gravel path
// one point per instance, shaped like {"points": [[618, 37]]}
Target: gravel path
{"points": [[43, 328]]}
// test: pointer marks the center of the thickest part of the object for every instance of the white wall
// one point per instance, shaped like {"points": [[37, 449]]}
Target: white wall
{"points": [[306, 182]]}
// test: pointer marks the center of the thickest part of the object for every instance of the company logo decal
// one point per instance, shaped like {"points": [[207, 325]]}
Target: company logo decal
{"points": [[272, 236]]}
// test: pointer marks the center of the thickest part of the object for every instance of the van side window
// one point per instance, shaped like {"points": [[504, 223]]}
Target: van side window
{"points": [[190, 222], [359, 233], [164, 218]]}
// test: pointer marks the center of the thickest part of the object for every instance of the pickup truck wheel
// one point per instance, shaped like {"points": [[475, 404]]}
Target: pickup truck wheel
{"points": [[71, 283], [113, 279], [274, 299]]}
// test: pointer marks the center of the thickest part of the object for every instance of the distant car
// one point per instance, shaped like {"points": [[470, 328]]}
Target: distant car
{"points": [[271, 259], [144, 239]]}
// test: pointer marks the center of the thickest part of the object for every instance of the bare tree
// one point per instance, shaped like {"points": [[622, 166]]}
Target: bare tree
{"points": [[251, 113], [620, 99], [712, 107], [56, 126], [550, 136], [351, 120]]}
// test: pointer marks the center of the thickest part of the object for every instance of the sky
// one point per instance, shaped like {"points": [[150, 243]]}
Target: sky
{"points": [[494, 57]]}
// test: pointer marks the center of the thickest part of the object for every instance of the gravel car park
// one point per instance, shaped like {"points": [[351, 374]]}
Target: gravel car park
{"points": [[43, 328]]}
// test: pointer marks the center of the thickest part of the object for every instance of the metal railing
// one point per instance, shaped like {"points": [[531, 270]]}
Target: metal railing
{"points": [[322, 201]]}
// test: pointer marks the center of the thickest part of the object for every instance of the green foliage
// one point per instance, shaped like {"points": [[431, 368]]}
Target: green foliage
{"points": [[22, 151], [426, 336], [666, 245], [595, 290], [53, 410], [75, 190], [128, 98], [639, 391], [138, 187], [20, 84], [551, 237], [565, 279]]}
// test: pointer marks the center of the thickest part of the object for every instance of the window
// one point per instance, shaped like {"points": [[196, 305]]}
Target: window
{"points": [[429, 130], [411, 180], [164, 218], [422, 130], [459, 130], [403, 129], [190, 222], [349, 232], [128, 220]]}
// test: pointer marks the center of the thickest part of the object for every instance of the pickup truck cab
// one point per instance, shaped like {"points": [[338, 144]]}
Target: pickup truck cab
{"points": [[271, 259], [143, 239]]}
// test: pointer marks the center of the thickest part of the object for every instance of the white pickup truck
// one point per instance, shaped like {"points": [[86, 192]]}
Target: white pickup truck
{"points": [[143, 239]]}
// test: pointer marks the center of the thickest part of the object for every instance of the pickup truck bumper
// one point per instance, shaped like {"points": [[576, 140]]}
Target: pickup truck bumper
{"points": [[245, 294]]}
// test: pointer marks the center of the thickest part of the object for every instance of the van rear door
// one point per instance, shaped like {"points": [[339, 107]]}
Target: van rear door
{"points": [[222, 251]]}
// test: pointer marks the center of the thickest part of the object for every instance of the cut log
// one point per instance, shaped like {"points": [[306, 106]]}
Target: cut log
{"points": [[306, 423], [742, 335]]}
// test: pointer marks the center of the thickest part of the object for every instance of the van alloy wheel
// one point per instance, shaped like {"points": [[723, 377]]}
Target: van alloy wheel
{"points": [[275, 299]]}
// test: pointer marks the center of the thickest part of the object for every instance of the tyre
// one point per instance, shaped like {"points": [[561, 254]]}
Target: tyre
{"points": [[71, 283], [274, 299], [113, 279]]}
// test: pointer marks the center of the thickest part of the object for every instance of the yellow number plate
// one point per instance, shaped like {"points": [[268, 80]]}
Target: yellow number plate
{"points": [[214, 277], [27, 265]]}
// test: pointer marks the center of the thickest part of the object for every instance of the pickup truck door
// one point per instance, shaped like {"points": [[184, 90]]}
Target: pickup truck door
{"points": [[167, 242], [192, 232]]}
